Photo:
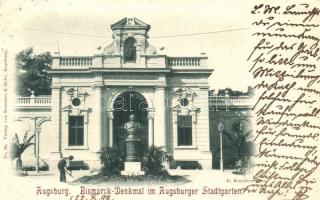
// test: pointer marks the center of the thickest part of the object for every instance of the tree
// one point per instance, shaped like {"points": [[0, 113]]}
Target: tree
{"points": [[18, 148], [32, 72], [240, 141], [221, 92], [231, 92]]}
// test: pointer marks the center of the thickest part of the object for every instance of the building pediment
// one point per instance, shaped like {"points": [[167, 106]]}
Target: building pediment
{"points": [[130, 23]]}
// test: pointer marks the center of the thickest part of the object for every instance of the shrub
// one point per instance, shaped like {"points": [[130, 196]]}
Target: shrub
{"points": [[153, 159], [30, 165], [112, 161]]}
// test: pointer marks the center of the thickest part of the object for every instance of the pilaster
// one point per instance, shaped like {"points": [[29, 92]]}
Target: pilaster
{"points": [[96, 132], [56, 122], [150, 128], [160, 117]]}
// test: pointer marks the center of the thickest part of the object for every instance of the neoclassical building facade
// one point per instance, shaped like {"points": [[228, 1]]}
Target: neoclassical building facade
{"points": [[93, 97]]}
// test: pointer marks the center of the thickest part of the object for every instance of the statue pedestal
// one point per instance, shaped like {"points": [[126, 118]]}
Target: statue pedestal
{"points": [[132, 153], [132, 169]]}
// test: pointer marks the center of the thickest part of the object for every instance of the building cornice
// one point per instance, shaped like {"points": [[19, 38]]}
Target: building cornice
{"points": [[192, 71], [103, 70], [130, 70]]}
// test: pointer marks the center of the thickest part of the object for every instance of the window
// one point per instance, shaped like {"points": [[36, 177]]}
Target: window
{"points": [[184, 130], [76, 131], [129, 50]]}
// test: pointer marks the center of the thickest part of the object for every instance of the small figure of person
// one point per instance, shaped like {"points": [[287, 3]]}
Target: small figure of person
{"points": [[239, 167], [62, 166]]}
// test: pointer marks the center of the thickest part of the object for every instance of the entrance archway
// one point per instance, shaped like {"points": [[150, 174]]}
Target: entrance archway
{"points": [[126, 104]]}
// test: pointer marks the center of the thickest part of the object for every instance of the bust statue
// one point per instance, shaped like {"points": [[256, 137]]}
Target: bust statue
{"points": [[132, 126]]}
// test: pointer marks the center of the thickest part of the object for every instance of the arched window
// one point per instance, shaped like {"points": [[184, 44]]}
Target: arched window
{"points": [[129, 50]]}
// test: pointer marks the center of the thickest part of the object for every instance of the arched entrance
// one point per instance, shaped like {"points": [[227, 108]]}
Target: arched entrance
{"points": [[126, 104]]}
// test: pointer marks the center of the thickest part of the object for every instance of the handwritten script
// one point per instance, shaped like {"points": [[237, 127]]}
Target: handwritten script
{"points": [[284, 61]]}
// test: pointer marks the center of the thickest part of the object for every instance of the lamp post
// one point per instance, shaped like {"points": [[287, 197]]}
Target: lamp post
{"points": [[220, 128], [227, 100], [241, 128]]}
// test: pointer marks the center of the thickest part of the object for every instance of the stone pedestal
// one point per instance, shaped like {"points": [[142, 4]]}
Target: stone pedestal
{"points": [[132, 166], [132, 169], [132, 153]]}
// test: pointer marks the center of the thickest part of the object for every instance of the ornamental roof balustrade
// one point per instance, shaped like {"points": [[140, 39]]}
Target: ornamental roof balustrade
{"points": [[33, 102], [115, 61], [72, 62], [229, 102], [75, 61], [187, 62], [214, 102]]}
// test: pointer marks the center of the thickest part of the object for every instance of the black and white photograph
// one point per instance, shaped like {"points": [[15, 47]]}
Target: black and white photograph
{"points": [[160, 99]]}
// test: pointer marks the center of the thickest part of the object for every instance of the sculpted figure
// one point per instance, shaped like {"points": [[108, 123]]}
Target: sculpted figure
{"points": [[133, 141], [132, 126]]}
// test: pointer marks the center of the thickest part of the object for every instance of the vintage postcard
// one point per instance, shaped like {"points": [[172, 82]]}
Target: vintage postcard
{"points": [[144, 99]]}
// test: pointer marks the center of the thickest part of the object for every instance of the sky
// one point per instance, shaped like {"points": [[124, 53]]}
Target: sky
{"points": [[41, 24]]}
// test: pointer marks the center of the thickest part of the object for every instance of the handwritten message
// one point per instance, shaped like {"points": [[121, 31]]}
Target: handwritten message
{"points": [[284, 61]]}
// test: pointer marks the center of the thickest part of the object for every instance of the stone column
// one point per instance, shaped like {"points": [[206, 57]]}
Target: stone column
{"points": [[110, 120], [150, 129], [37, 132], [160, 117], [56, 122], [33, 130]]}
